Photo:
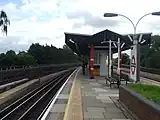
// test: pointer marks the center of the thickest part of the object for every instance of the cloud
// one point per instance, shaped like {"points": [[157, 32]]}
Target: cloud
{"points": [[77, 25], [91, 20], [12, 43], [98, 22], [45, 21]]}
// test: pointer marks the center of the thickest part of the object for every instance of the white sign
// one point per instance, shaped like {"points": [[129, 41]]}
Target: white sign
{"points": [[133, 63]]}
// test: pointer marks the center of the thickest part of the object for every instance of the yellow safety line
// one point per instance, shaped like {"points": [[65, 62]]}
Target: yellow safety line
{"points": [[70, 98]]}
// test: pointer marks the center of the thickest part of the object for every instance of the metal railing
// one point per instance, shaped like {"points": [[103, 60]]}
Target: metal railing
{"points": [[35, 66], [143, 69]]}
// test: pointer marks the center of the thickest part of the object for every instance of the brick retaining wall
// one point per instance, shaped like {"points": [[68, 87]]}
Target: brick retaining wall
{"points": [[143, 108]]}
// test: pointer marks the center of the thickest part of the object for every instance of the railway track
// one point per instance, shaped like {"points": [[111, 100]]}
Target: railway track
{"points": [[31, 106]]}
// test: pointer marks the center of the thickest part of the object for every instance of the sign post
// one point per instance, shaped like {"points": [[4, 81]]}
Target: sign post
{"points": [[110, 59], [133, 63], [119, 56]]}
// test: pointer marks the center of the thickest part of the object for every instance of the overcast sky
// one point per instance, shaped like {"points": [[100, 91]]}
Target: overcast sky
{"points": [[45, 21]]}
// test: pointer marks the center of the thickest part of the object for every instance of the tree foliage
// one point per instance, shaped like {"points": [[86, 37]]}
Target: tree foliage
{"points": [[4, 22], [149, 54], [50, 54], [36, 55], [125, 59]]}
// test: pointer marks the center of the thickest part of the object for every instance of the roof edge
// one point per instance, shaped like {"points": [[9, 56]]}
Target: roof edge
{"points": [[76, 34], [137, 34]]}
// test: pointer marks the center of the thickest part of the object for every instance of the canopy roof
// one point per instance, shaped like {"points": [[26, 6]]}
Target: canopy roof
{"points": [[79, 43]]}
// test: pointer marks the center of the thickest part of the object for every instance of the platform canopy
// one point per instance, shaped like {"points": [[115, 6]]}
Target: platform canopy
{"points": [[79, 43]]}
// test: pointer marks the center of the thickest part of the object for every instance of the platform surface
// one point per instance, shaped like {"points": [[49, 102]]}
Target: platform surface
{"points": [[86, 99], [97, 101]]}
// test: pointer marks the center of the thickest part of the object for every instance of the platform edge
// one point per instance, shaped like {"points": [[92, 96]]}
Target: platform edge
{"points": [[70, 97], [57, 94]]}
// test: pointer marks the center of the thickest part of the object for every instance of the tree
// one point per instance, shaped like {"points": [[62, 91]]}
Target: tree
{"points": [[4, 22], [11, 53], [144, 49], [66, 47], [25, 59], [10, 58], [37, 51], [125, 59], [52, 55], [152, 55]]}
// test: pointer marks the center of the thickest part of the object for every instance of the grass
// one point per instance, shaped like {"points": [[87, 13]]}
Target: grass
{"points": [[150, 92]]}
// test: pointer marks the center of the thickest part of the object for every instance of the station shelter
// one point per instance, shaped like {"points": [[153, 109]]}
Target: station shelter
{"points": [[96, 48]]}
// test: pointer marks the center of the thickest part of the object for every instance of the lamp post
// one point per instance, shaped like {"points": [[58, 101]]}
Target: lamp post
{"points": [[135, 41]]}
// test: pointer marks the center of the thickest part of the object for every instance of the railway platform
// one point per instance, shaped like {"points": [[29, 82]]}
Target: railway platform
{"points": [[82, 98]]}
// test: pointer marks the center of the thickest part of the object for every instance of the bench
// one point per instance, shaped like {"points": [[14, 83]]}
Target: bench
{"points": [[113, 80], [125, 77], [116, 79]]}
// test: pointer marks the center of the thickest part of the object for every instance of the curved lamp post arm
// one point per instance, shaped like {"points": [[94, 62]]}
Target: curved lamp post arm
{"points": [[130, 21], [142, 17], [135, 26]]}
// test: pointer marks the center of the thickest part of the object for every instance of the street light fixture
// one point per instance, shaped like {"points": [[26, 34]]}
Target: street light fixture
{"points": [[110, 14], [135, 26], [135, 41], [156, 13]]}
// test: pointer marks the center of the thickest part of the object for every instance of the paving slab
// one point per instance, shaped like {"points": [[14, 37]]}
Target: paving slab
{"points": [[61, 101], [121, 119], [55, 116], [58, 108], [99, 90], [107, 101], [95, 109], [103, 119], [93, 114], [113, 110], [97, 101], [63, 96], [88, 100], [95, 84], [114, 115]]}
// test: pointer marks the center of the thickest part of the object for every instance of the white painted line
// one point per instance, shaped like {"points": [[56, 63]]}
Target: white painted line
{"points": [[55, 98]]}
